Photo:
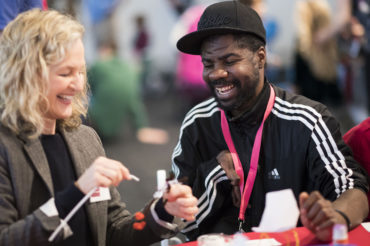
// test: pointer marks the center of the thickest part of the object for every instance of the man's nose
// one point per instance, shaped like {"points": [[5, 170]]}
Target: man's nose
{"points": [[218, 73]]}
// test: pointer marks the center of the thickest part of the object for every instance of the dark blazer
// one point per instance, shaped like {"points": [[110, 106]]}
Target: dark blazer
{"points": [[26, 184]]}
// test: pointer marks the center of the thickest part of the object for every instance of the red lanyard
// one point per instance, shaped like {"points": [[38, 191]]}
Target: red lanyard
{"points": [[246, 190]]}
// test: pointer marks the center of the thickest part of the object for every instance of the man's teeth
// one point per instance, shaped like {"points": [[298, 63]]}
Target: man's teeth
{"points": [[224, 89]]}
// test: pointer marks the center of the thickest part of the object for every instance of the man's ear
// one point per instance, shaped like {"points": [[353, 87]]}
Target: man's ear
{"points": [[261, 53]]}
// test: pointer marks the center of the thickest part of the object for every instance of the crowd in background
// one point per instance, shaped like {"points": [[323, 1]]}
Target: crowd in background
{"points": [[330, 72]]}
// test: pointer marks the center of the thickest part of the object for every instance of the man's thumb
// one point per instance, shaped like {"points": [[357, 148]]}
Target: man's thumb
{"points": [[302, 198]]}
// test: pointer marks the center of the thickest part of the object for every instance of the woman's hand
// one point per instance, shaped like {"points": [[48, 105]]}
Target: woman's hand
{"points": [[103, 172], [181, 202]]}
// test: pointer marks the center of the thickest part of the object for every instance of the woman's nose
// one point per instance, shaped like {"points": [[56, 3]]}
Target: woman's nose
{"points": [[78, 82]]}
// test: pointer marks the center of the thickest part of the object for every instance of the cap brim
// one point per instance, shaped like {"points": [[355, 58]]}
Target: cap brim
{"points": [[192, 42]]}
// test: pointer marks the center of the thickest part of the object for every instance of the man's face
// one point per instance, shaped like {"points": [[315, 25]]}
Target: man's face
{"points": [[232, 73]]}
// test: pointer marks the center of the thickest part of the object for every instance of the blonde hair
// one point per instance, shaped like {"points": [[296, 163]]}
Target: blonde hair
{"points": [[313, 16], [29, 45]]}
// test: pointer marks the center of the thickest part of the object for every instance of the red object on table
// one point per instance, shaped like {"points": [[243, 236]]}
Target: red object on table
{"points": [[302, 236]]}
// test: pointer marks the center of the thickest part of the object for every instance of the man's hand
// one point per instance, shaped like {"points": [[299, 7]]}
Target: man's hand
{"points": [[319, 215], [181, 202], [226, 161]]}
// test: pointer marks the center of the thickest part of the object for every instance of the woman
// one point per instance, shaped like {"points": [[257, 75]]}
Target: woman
{"points": [[49, 161], [315, 65]]}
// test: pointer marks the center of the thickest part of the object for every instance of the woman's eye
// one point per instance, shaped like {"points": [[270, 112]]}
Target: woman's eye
{"points": [[64, 74]]}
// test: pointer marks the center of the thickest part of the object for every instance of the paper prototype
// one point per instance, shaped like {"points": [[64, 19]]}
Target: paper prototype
{"points": [[281, 212]]}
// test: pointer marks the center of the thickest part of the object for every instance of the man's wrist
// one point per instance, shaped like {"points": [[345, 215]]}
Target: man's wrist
{"points": [[348, 222]]}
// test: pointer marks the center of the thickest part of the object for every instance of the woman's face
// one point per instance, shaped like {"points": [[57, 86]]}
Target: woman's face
{"points": [[66, 80]]}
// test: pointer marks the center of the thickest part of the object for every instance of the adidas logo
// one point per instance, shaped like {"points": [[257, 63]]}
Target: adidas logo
{"points": [[274, 174]]}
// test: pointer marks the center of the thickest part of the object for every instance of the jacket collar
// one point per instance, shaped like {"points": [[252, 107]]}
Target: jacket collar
{"points": [[78, 155], [35, 151], [75, 149], [254, 115]]}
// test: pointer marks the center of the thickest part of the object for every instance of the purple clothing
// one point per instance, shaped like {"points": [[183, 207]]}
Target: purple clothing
{"points": [[9, 9]]}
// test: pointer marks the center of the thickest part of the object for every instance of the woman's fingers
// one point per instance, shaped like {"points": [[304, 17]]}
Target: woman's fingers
{"points": [[103, 172]]}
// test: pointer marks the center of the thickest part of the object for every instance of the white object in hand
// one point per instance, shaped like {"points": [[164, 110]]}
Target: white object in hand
{"points": [[70, 215], [161, 179], [76, 208], [161, 183], [134, 178]]}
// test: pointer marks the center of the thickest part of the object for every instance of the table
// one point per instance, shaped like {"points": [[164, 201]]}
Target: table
{"points": [[302, 236]]}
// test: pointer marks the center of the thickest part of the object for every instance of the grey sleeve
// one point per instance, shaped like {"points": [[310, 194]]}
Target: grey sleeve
{"points": [[34, 229], [121, 224]]}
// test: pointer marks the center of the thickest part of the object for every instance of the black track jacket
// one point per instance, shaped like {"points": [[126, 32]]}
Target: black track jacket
{"points": [[301, 149]]}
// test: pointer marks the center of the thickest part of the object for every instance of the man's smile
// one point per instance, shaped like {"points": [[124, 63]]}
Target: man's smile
{"points": [[225, 91]]}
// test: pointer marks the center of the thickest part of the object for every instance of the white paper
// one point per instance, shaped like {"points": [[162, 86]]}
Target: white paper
{"points": [[366, 225], [263, 242], [281, 212], [100, 194], [49, 208]]}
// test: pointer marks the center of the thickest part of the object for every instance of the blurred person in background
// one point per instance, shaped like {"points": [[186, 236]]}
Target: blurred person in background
{"points": [[190, 86], [274, 67], [180, 5], [9, 9], [49, 160], [141, 44], [141, 40], [315, 64], [116, 100], [345, 10], [361, 11], [252, 137]]}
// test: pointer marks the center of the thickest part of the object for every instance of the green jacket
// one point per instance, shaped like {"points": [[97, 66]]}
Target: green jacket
{"points": [[116, 98]]}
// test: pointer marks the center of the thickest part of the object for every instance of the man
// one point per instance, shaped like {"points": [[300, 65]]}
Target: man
{"points": [[287, 140]]}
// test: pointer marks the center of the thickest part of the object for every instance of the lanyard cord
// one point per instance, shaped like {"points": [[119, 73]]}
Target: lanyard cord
{"points": [[246, 190]]}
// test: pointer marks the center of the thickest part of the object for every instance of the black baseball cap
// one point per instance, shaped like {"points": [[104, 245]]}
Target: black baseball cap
{"points": [[223, 18]]}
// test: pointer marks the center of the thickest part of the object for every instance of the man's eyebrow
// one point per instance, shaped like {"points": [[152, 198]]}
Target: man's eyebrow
{"points": [[224, 57], [228, 55]]}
